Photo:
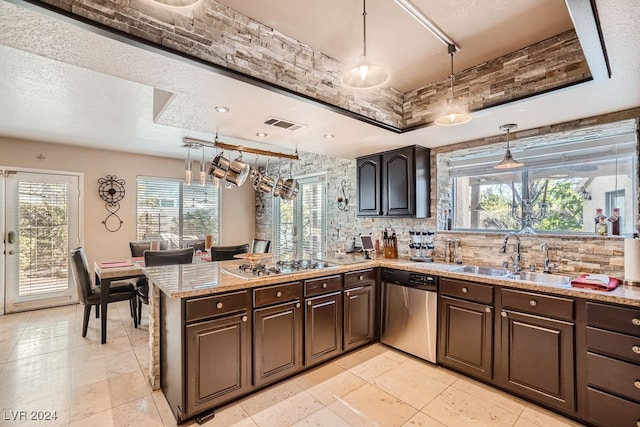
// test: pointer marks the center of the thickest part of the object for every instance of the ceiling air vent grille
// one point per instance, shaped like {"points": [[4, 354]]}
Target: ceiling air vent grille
{"points": [[283, 124]]}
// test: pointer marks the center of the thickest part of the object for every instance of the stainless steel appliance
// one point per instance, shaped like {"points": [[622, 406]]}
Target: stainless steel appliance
{"points": [[410, 312], [281, 267]]}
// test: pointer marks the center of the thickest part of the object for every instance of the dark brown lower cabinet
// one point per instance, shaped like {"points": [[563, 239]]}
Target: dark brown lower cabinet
{"points": [[277, 342], [218, 361], [465, 338], [359, 316], [538, 359], [323, 327]]}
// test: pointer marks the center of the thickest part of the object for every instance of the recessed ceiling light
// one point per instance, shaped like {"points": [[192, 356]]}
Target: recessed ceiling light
{"points": [[261, 134], [222, 109], [329, 136]]}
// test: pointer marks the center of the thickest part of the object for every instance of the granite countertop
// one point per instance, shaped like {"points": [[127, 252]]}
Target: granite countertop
{"points": [[188, 280]]}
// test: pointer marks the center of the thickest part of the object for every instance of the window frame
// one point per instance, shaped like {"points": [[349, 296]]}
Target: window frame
{"points": [[182, 209]]}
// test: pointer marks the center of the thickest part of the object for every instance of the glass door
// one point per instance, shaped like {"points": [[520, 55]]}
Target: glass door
{"points": [[301, 224], [41, 221]]}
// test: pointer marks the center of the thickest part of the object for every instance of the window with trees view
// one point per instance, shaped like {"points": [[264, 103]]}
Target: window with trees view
{"points": [[558, 189], [168, 209]]}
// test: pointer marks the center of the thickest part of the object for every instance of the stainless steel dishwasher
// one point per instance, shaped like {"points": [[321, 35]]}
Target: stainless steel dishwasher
{"points": [[410, 312]]}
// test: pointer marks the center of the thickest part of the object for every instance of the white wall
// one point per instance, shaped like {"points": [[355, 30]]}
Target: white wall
{"points": [[238, 205]]}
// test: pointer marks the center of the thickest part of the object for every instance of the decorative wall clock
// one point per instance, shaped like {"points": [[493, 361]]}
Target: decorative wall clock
{"points": [[111, 190]]}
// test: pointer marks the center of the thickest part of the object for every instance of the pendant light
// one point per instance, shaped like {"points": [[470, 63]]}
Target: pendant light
{"points": [[203, 170], [454, 114], [364, 75], [188, 174], [508, 162]]}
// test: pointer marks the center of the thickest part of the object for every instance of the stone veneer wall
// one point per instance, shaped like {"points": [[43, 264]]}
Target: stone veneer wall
{"points": [[217, 34], [552, 63]]}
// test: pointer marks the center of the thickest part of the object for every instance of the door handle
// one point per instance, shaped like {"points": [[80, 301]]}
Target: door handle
{"points": [[11, 252]]}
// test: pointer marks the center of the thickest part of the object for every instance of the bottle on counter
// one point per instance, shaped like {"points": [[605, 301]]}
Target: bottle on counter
{"points": [[457, 251], [599, 216], [614, 219], [602, 229], [449, 220]]}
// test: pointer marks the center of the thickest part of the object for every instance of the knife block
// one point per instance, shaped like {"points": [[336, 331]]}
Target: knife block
{"points": [[391, 252]]}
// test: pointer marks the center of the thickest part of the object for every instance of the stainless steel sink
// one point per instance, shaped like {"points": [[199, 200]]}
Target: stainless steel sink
{"points": [[546, 279], [484, 271]]}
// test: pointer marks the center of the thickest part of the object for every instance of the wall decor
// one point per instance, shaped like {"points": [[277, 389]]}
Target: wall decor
{"points": [[343, 201], [111, 190]]}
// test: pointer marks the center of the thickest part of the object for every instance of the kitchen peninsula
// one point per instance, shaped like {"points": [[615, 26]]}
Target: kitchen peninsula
{"points": [[198, 309]]}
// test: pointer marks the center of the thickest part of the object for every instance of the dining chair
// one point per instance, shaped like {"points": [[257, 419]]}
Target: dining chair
{"points": [[260, 246], [138, 248], [222, 253], [156, 259], [90, 295]]}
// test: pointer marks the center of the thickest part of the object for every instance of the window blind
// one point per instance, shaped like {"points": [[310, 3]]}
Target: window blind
{"points": [[168, 209]]}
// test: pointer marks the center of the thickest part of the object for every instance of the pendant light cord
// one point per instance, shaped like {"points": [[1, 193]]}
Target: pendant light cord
{"points": [[364, 27], [452, 50]]}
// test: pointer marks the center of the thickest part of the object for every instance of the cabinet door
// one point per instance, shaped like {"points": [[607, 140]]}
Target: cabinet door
{"points": [[398, 182], [323, 327], [538, 359], [218, 361], [277, 342], [465, 339], [368, 177], [358, 316]]}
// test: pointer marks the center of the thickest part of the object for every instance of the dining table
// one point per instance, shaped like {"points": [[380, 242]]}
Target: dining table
{"points": [[109, 271]]}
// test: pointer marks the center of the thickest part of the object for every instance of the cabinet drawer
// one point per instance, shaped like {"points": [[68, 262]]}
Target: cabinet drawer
{"points": [[359, 278], [614, 376], [322, 285], [276, 294], [467, 290], [621, 346], [539, 304], [603, 408], [614, 318], [216, 305]]}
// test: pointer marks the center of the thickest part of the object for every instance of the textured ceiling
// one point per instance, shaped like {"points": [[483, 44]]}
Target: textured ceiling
{"points": [[90, 90]]}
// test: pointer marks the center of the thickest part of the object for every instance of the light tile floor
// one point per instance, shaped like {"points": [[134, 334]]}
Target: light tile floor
{"points": [[45, 365]]}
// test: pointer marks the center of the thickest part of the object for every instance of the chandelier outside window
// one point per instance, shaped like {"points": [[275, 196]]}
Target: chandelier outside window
{"points": [[454, 114], [364, 75], [508, 162]]}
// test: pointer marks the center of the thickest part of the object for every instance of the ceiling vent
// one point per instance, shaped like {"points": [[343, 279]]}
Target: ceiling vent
{"points": [[283, 124]]}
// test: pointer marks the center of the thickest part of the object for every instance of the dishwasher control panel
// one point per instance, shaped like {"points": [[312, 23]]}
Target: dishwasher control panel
{"points": [[410, 278]]}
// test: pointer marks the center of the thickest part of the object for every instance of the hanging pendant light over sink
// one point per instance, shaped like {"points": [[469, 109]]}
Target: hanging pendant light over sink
{"points": [[364, 74], [508, 162]]}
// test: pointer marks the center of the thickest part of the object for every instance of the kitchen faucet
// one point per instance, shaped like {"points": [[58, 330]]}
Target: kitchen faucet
{"points": [[515, 258], [544, 248]]}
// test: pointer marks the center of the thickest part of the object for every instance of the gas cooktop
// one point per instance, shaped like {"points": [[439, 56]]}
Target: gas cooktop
{"points": [[281, 267]]}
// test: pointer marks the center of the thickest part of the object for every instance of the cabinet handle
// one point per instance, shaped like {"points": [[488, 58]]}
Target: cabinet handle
{"points": [[361, 278], [324, 286], [636, 383], [278, 294], [308, 302], [219, 305], [244, 318], [298, 305], [533, 303], [487, 309], [347, 293], [503, 314], [465, 290], [636, 349], [636, 321]]}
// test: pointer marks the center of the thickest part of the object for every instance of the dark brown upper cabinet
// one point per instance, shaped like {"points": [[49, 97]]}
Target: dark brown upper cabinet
{"points": [[394, 183]]}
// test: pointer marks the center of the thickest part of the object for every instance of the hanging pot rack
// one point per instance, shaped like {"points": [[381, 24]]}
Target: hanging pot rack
{"points": [[224, 146]]}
